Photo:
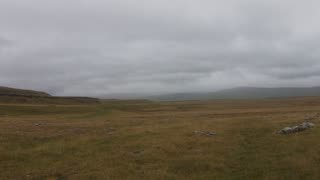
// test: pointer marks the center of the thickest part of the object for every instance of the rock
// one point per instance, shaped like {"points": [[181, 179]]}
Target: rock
{"points": [[286, 130], [307, 125], [211, 133], [301, 127], [204, 133], [110, 130]]}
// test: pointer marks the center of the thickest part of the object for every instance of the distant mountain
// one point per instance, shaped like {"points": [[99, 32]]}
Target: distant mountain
{"points": [[242, 93], [6, 91]]}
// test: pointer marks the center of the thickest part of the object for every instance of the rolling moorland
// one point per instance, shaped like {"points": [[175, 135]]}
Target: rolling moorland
{"points": [[46, 138]]}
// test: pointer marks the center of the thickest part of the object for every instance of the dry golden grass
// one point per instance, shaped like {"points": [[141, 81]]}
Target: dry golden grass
{"points": [[145, 140]]}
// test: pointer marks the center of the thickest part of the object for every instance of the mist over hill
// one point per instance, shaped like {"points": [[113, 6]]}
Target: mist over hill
{"points": [[242, 93], [7, 94]]}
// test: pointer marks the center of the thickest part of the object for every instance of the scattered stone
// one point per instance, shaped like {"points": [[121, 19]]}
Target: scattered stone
{"points": [[301, 127], [204, 133], [110, 130], [286, 130]]}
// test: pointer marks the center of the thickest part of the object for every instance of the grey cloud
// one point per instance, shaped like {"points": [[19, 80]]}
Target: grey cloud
{"points": [[105, 47], [4, 42]]}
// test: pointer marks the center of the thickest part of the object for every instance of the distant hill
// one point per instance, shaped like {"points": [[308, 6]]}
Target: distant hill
{"points": [[242, 93], [22, 92], [13, 95]]}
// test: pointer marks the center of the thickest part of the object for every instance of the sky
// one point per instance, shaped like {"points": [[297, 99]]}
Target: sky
{"points": [[126, 47]]}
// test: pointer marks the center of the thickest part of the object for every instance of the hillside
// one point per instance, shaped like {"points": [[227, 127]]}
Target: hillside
{"points": [[21, 92], [243, 93], [13, 95]]}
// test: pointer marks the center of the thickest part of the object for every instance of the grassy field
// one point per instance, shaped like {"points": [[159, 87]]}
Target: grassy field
{"points": [[148, 140]]}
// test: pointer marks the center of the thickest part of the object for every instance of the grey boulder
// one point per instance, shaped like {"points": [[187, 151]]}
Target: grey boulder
{"points": [[301, 127]]}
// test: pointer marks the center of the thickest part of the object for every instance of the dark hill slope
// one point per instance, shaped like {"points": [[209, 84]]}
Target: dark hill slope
{"points": [[22, 92], [13, 95]]}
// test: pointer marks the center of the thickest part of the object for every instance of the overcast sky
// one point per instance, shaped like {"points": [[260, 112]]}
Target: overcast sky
{"points": [[101, 47]]}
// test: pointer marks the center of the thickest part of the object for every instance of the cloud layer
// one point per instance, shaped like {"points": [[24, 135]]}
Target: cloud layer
{"points": [[97, 48]]}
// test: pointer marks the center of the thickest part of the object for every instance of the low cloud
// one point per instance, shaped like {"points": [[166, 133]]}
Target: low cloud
{"points": [[98, 48]]}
